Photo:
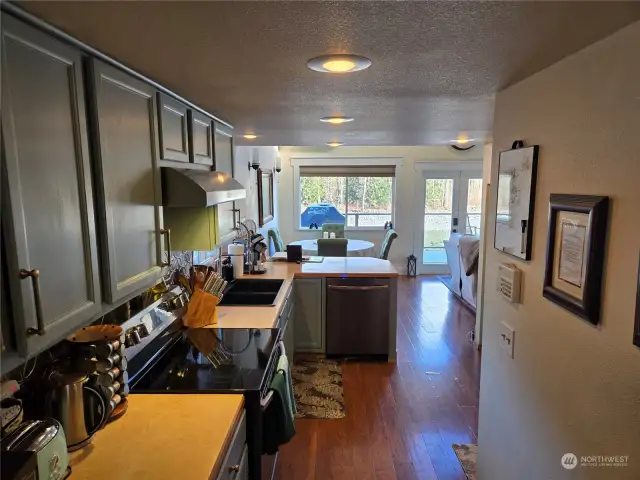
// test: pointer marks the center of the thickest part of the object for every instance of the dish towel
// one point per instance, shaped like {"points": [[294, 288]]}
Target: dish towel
{"points": [[283, 367], [278, 427], [469, 253]]}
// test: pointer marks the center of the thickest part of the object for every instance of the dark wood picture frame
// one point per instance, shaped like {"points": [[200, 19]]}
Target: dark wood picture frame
{"points": [[597, 208], [636, 331], [265, 212]]}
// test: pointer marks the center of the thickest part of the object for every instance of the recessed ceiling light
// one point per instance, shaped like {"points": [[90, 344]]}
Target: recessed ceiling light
{"points": [[335, 144], [336, 120], [250, 136], [339, 63]]}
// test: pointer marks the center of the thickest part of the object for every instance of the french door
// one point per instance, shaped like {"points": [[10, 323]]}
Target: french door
{"points": [[452, 204]]}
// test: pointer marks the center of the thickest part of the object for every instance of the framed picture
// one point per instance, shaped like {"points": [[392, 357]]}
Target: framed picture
{"points": [[575, 253], [265, 196], [636, 331], [517, 173]]}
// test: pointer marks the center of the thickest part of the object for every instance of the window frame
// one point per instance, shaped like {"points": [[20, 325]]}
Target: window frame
{"points": [[343, 162]]}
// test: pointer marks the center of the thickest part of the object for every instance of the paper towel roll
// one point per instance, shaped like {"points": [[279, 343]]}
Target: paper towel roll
{"points": [[236, 252]]}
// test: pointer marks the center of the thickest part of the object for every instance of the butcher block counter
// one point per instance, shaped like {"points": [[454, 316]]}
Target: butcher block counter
{"points": [[167, 436], [267, 317]]}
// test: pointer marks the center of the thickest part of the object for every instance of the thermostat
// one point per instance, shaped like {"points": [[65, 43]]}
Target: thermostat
{"points": [[509, 279]]}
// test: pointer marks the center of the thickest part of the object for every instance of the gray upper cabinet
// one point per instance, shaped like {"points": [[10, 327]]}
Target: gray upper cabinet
{"points": [[123, 113], [173, 129], [223, 143], [308, 317], [47, 211], [200, 138]]}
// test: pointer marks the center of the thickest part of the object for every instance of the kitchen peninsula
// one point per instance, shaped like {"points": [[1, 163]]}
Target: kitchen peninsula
{"points": [[306, 306]]}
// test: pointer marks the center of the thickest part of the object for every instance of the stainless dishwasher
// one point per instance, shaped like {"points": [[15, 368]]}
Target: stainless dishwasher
{"points": [[357, 316]]}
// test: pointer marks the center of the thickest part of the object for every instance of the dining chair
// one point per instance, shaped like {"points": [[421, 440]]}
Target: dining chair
{"points": [[386, 243], [337, 228], [332, 247], [278, 243]]}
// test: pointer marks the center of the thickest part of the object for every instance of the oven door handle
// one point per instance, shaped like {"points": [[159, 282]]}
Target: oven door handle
{"points": [[266, 400]]}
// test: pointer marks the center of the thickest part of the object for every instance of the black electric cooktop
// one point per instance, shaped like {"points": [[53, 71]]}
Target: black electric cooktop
{"points": [[204, 360]]}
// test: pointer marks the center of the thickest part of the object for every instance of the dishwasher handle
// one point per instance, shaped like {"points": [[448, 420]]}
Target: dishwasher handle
{"points": [[348, 287]]}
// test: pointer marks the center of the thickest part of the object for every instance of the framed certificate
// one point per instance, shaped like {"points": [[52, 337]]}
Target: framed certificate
{"points": [[575, 253]]}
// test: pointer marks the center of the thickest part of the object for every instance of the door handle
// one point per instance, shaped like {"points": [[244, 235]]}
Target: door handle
{"points": [[346, 287], [35, 282], [167, 233]]}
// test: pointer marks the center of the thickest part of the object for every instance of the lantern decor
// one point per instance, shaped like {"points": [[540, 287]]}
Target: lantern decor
{"points": [[411, 266]]}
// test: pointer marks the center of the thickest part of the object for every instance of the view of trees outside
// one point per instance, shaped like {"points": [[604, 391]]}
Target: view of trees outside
{"points": [[439, 209], [364, 201]]}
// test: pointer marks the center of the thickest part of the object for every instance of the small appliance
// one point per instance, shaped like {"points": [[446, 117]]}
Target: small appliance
{"points": [[81, 409], [46, 439]]}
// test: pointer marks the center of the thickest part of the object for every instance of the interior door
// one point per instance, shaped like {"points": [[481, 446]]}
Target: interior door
{"points": [[452, 204]]}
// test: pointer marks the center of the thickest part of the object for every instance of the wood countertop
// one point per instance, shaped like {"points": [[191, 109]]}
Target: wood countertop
{"points": [[267, 317], [162, 436]]}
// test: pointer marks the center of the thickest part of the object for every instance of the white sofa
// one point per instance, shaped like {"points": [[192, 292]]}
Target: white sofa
{"points": [[462, 285]]}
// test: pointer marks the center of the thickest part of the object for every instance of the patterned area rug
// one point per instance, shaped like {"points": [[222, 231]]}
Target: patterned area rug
{"points": [[317, 386], [467, 454]]}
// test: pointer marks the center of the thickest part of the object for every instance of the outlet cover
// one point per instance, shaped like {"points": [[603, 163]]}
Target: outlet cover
{"points": [[507, 339]]}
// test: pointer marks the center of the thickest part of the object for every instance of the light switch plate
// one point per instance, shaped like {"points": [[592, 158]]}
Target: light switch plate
{"points": [[507, 339]]}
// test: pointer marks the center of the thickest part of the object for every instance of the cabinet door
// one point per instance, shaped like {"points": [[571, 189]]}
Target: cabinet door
{"points": [[223, 143], [173, 129], [308, 315], [47, 211], [200, 138], [128, 183]]}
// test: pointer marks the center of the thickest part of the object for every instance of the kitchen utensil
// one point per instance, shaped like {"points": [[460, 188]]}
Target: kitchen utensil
{"points": [[46, 439], [80, 408], [184, 283], [201, 310], [96, 333]]}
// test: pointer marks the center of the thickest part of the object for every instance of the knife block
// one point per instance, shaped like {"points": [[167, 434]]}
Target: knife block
{"points": [[201, 311]]}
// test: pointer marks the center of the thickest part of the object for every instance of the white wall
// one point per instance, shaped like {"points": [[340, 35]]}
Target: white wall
{"points": [[571, 387], [405, 198], [249, 179]]}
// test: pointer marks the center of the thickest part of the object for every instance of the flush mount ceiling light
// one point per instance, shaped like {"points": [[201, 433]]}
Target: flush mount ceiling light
{"points": [[250, 136], [335, 144], [339, 63], [336, 120]]}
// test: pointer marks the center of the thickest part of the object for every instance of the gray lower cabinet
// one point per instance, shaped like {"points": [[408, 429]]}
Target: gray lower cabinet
{"points": [[286, 324], [127, 180], [173, 130], [47, 211], [235, 465], [309, 316]]}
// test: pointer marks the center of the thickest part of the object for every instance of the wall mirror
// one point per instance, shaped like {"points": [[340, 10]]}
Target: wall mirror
{"points": [[265, 196], [516, 199]]}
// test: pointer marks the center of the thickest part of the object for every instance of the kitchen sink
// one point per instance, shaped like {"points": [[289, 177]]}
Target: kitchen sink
{"points": [[252, 292]]}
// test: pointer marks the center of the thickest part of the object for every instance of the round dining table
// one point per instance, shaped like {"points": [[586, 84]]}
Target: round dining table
{"points": [[355, 248]]}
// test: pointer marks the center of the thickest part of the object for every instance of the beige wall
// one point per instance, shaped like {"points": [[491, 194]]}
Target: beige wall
{"points": [[571, 387], [405, 198]]}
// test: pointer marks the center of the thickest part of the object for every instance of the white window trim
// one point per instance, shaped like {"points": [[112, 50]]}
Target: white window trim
{"points": [[296, 163]]}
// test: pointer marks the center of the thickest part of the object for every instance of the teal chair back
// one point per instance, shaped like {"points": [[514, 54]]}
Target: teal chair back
{"points": [[337, 228], [274, 235], [332, 247], [386, 244]]}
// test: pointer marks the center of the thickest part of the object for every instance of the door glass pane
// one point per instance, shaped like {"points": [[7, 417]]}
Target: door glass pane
{"points": [[474, 206], [437, 218]]}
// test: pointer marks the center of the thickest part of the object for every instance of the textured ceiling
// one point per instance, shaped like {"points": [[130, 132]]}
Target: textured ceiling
{"points": [[436, 65]]}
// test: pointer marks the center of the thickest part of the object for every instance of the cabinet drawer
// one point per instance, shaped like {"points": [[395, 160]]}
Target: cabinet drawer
{"points": [[232, 464]]}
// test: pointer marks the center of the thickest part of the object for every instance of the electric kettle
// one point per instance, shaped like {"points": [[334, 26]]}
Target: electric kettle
{"points": [[80, 408]]}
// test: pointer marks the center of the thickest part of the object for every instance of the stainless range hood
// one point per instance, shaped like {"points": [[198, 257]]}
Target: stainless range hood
{"points": [[198, 188]]}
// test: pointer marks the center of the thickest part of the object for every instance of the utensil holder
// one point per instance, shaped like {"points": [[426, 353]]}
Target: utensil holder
{"points": [[201, 311]]}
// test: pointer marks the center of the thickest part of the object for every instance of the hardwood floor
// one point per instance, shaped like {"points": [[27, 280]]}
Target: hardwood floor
{"points": [[401, 418]]}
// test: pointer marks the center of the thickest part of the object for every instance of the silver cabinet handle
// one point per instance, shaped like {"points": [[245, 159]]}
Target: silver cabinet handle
{"points": [[35, 282], [167, 233], [345, 287]]}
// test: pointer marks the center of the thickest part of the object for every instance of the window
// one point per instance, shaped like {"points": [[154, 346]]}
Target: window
{"points": [[358, 197]]}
